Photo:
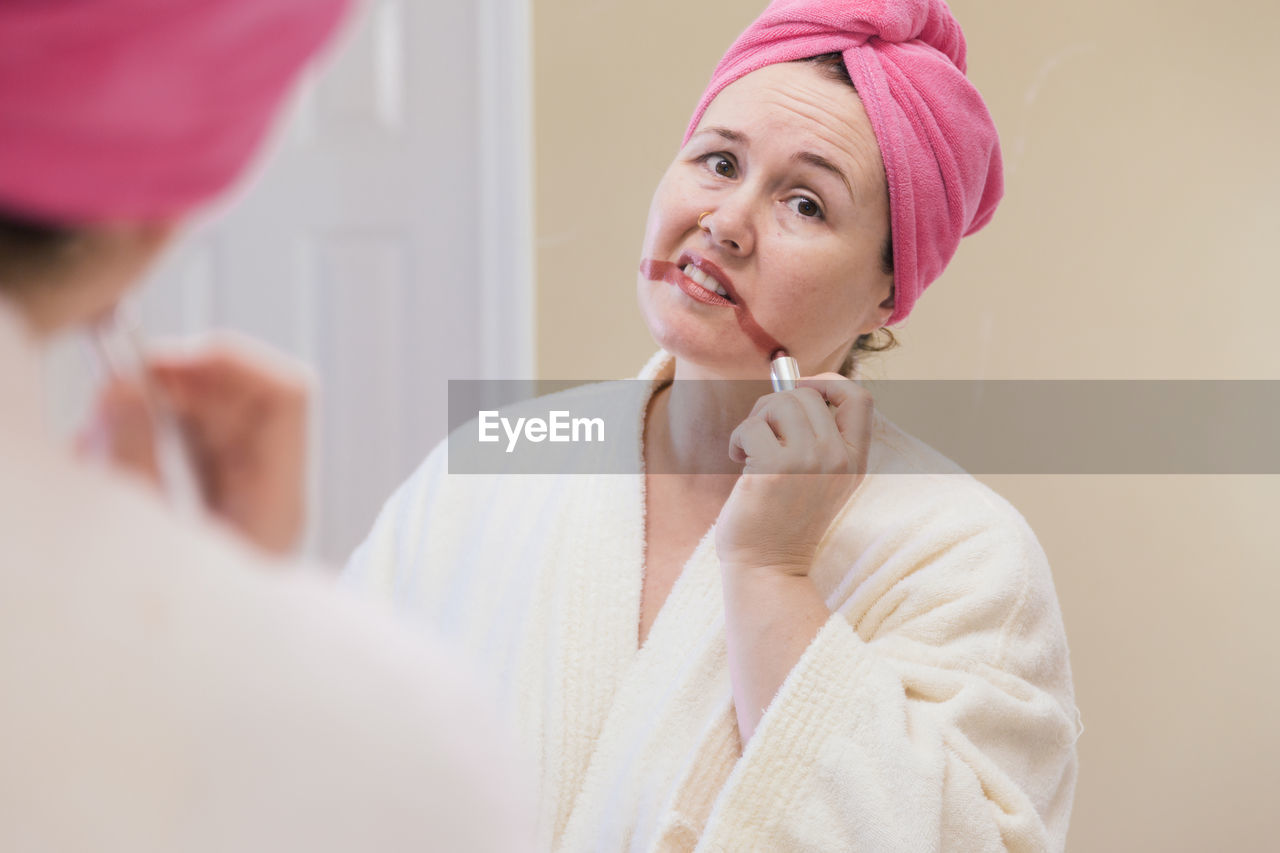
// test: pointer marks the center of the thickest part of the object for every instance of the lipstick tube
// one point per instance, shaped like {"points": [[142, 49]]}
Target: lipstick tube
{"points": [[784, 371]]}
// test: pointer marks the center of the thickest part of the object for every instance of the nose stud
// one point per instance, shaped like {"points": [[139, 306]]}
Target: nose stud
{"points": [[702, 217]]}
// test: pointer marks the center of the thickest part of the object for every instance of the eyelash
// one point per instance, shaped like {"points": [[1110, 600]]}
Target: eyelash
{"points": [[818, 215], [719, 155], [711, 160]]}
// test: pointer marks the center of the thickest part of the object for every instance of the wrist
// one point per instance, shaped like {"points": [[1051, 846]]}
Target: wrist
{"points": [[764, 576], [767, 599]]}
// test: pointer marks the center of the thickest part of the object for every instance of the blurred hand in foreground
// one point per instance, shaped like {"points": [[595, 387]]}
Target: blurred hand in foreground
{"points": [[242, 410]]}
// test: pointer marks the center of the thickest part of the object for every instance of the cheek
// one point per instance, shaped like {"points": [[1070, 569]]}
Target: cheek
{"points": [[672, 213], [659, 207], [660, 317], [653, 223], [804, 276], [815, 292]]}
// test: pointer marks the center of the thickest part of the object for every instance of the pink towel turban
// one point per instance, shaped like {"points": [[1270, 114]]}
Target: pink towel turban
{"points": [[939, 145], [141, 109]]}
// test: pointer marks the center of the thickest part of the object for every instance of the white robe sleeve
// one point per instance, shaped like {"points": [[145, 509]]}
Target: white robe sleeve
{"points": [[952, 728]]}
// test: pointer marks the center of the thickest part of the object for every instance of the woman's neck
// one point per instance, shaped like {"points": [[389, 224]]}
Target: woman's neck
{"points": [[689, 422]]}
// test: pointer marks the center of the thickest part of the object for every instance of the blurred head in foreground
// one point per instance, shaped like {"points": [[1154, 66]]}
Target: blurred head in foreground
{"points": [[118, 119]]}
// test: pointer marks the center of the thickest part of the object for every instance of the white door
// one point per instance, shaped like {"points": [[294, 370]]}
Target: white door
{"points": [[386, 241]]}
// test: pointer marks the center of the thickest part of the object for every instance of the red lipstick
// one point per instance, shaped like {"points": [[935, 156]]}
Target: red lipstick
{"points": [[673, 274]]}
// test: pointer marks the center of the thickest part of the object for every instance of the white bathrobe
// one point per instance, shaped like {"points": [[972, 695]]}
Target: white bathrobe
{"points": [[163, 689], [933, 711]]}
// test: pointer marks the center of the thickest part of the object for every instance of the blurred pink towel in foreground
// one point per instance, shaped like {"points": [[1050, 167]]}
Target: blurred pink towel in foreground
{"points": [[130, 109]]}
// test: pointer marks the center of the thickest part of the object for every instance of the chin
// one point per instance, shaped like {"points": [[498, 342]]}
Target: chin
{"points": [[721, 352], [715, 361], [678, 336]]}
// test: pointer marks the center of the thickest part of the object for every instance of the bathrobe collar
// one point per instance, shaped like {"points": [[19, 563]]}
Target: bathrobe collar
{"points": [[683, 657]]}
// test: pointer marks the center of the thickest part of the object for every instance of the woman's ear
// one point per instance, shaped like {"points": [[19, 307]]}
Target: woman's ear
{"points": [[150, 238], [884, 310], [888, 302]]}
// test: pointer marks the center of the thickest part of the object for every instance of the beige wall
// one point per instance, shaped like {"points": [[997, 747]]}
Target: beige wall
{"points": [[1136, 240]]}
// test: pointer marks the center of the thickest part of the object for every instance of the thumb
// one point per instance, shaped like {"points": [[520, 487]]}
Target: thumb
{"points": [[121, 432]]}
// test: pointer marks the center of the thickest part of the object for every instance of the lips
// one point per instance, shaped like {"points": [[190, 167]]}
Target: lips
{"points": [[654, 270], [696, 291], [706, 275], [674, 274]]}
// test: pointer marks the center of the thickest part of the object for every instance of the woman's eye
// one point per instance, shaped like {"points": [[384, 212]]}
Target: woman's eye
{"points": [[805, 206], [723, 166]]}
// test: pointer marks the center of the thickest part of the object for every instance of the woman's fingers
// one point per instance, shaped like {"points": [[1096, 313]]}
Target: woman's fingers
{"points": [[247, 362], [231, 384], [229, 369], [850, 403], [786, 424], [122, 432], [819, 413], [805, 426], [244, 408], [753, 439], [243, 411], [820, 431], [786, 417]]}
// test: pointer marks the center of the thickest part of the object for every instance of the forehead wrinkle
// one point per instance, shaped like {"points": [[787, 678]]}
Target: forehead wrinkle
{"points": [[851, 139]]}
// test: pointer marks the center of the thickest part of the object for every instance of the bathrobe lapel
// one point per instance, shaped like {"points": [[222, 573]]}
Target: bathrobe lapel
{"points": [[597, 589], [670, 718], [670, 714]]}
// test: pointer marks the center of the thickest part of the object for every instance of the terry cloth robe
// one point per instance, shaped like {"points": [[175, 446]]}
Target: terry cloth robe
{"points": [[162, 688], [933, 711]]}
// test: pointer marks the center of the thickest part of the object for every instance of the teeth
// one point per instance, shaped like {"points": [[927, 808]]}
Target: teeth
{"points": [[702, 279]]}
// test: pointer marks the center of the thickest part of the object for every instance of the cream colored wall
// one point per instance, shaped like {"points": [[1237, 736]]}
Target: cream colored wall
{"points": [[1136, 240]]}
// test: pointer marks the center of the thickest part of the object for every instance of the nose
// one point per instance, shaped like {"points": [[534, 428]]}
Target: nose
{"points": [[729, 226]]}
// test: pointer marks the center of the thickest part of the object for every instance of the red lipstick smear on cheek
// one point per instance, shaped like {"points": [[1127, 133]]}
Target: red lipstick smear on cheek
{"points": [[668, 272]]}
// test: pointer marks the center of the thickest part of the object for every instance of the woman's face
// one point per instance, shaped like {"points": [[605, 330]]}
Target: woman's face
{"points": [[787, 167]]}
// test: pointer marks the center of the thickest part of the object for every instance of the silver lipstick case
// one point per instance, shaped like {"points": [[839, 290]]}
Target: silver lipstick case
{"points": [[784, 371]]}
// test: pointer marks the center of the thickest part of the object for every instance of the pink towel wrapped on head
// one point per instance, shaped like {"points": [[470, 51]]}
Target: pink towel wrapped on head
{"points": [[940, 149], [141, 109]]}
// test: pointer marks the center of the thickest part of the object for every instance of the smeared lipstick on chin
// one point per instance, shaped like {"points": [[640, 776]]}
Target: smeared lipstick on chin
{"points": [[669, 272]]}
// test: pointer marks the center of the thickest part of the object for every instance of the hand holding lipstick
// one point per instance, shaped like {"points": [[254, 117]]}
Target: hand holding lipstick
{"points": [[243, 411], [804, 453]]}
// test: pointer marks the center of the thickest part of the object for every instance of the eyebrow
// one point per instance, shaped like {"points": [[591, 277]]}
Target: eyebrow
{"points": [[726, 133], [823, 163], [799, 157]]}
